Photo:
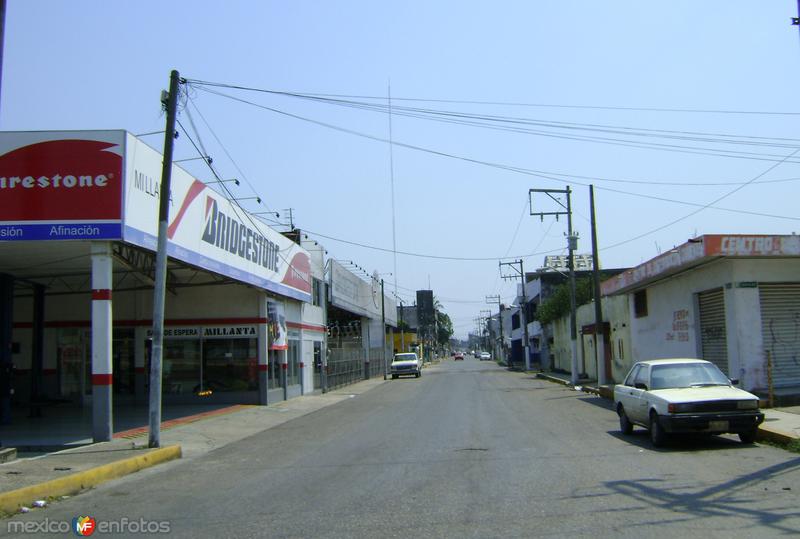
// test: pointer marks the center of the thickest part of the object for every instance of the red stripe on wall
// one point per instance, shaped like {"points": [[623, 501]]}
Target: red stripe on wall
{"points": [[263, 368], [139, 370], [147, 323], [101, 294], [102, 379], [309, 327], [302, 365], [284, 366]]}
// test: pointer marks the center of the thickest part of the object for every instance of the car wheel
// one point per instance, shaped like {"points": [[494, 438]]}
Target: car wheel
{"points": [[419, 374], [625, 425], [394, 377], [657, 434], [749, 436]]}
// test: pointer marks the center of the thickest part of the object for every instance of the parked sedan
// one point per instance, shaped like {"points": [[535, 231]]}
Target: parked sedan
{"points": [[685, 395]]}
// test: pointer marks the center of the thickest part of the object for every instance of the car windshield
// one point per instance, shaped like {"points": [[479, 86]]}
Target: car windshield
{"points": [[679, 375], [405, 357]]}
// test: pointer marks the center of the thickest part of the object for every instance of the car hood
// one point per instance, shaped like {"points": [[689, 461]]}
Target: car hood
{"points": [[697, 394]]}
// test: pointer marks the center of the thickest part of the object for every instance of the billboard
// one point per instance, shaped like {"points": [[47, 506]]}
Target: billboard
{"points": [[355, 295], [61, 185], [207, 230], [104, 185], [426, 317]]}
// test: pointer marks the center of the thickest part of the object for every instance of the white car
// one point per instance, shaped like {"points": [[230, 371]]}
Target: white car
{"points": [[685, 395], [406, 364], [485, 356]]}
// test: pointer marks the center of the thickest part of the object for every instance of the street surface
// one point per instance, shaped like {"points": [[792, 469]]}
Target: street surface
{"points": [[467, 450]]}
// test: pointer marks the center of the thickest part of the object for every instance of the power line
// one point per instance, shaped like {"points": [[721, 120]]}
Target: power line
{"points": [[510, 168], [726, 195], [460, 118], [506, 103]]}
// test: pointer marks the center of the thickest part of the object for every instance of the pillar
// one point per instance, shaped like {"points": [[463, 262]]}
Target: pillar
{"points": [[102, 325], [139, 368], [263, 350]]}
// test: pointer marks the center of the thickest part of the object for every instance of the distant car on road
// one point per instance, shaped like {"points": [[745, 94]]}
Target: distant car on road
{"points": [[486, 356], [685, 395], [406, 364], [459, 356], [477, 353]]}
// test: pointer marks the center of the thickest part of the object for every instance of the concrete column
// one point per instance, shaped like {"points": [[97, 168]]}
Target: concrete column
{"points": [[284, 355], [102, 326], [139, 370], [6, 333], [263, 350]]}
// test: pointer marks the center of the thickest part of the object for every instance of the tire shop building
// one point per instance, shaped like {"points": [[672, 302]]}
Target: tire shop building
{"points": [[733, 300], [78, 229]]}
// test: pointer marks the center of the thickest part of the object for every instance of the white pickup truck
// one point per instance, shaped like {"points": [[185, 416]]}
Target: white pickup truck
{"points": [[406, 364]]}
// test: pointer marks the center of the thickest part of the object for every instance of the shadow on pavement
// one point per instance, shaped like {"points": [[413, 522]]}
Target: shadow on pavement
{"points": [[726, 499]]}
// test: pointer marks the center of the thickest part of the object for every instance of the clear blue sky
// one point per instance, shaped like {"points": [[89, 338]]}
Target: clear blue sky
{"points": [[100, 64]]}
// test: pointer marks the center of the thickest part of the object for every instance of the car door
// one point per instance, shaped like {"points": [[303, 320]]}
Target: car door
{"points": [[639, 402], [625, 393]]}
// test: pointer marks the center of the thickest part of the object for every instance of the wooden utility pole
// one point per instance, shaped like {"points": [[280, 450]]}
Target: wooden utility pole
{"points": [[599, 328], [171, 105]]}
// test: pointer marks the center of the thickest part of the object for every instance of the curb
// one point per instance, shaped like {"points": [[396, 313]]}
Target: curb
{"points": [[775, 435], [10, 502]]}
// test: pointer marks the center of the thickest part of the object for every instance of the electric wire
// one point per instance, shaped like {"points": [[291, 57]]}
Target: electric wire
{"points": [[519, 170], [513, 103]]}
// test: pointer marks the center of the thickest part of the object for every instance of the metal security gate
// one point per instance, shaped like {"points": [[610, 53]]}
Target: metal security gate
{"points": [[345, 366], [780, 330], [713, 336]]}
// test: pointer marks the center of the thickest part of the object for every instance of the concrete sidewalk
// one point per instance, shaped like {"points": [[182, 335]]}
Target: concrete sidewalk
{"points": [[780, 425], [50, 476]]}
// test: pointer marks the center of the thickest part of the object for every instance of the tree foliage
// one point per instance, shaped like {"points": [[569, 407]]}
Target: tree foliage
{"points": [[557, 305], [445, 328]]}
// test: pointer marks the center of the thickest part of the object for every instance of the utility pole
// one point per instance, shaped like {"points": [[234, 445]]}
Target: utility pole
{"points": [[599, 329], [402, 329], [487, 316], [171, 105], [492, 300], [572, 245], [523, 309], [383, 323]]}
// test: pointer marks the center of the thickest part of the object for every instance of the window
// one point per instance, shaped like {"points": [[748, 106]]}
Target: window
{"points": [[515, 321], [317, 290], [293, 373], [230, 364], [641, 376], [629, 381], [640, 303]]}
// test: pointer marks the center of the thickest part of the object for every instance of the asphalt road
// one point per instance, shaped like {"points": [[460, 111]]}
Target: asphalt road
{"points": [[468, 450]]}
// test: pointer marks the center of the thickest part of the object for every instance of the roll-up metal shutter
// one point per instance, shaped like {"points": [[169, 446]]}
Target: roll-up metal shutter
{"points": [[780, 329], [713, 337]]}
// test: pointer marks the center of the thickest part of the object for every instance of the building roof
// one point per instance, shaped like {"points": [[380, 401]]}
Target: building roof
{"points": [[699, 251]]}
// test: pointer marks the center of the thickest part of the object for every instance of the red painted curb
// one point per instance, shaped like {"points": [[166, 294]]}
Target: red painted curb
{"points": [[139, 431]]}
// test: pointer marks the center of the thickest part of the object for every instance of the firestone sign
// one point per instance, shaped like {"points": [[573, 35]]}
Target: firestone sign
{"points": [[104, 185], [61, 186]]}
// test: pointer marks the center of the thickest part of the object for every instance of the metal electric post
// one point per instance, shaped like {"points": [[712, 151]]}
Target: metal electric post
{"points": [[523, 308], [572, 245], [171, 105]]}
